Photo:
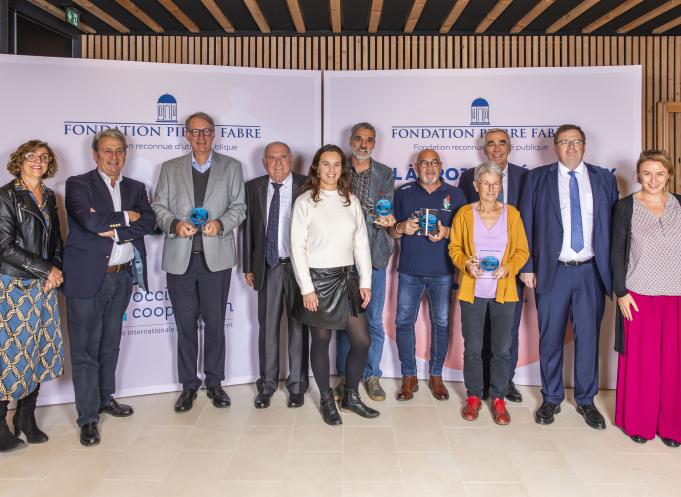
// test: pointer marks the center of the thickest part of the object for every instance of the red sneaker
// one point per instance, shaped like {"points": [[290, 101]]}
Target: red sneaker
{"points": [[472, 408], [499, 412]]}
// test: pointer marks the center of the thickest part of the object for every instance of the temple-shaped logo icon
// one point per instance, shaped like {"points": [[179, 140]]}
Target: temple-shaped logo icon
{"points": [[480, 112], [166, 109]]}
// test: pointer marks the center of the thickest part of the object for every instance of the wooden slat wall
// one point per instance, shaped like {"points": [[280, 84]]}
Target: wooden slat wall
{"points": [[660, 57]]}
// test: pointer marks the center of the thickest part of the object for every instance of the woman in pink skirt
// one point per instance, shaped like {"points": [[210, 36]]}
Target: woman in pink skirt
{"points": [[646, 255]]}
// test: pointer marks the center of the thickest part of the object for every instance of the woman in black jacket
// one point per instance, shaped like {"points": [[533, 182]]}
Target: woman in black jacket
{"points": [[645, 254], [30, 271]]}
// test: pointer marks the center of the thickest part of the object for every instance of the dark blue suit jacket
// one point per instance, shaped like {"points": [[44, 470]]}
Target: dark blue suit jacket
{"points": [[86, 254], [540, 212], [516, 182]]}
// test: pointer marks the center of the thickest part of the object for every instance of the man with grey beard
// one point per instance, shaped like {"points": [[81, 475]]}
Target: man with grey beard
{"points": [[369, 182]]}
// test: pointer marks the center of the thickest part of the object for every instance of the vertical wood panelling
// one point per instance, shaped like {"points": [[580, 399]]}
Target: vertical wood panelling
{"points": [[660, 57]]}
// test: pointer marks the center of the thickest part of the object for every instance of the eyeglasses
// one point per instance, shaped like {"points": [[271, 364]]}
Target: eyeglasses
{"points": [[431, 163], [44, 158], [203, 132], [490, 186], [575, 143]]}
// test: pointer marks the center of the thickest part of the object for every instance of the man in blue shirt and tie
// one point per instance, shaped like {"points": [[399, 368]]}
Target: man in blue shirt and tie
{"points": [[566, 209]]}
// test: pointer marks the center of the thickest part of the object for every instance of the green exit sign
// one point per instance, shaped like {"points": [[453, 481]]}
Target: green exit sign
{"points": [[72, 16]]}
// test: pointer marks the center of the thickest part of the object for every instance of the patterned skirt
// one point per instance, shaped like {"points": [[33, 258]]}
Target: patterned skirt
{"points": [[31, 349]]}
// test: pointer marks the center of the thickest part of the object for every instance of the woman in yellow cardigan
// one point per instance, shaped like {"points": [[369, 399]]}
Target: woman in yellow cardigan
{"points": [[488, 245]]}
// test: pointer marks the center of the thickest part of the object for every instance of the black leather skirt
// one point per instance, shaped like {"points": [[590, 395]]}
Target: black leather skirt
{"points": [[337, 289]]}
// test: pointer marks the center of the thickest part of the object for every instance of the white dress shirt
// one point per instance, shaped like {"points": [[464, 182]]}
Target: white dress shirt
{"points": [[285, 202], [120, 254], [586, 204]]}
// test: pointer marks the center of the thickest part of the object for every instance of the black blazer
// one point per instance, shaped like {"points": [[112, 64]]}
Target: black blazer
{"points": [[90, 211], [256, 224], [619, 258], [516, 184], [28, 248]]}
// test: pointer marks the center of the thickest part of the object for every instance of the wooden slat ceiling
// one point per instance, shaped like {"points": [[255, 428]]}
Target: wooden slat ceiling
{"points": [[253, 17]]}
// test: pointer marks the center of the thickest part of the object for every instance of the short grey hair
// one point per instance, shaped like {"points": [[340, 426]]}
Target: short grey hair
{"points": [[363, 125], [201, 115], [487, 168], [272, 144], [497, 130], [108, 133]]}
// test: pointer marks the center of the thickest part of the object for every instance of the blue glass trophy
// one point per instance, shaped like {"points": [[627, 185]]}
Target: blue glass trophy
{"points": [[427, 219], [199, 217], [383, 206], [488, 262]]}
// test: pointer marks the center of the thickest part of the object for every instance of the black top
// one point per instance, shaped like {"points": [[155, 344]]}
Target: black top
{"points": [[200, 180], [620, 248]]}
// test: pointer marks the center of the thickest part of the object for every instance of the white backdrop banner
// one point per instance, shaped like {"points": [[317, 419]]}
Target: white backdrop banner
{"points": [[450, 111], [65, 102]]}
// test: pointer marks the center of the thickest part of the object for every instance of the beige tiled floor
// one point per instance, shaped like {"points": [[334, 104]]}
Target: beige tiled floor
{"points": [[420, 448]]}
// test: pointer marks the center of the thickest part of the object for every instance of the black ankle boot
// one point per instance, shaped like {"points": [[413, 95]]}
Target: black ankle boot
{"points": [[329, 411], [7, 440], [24, 419], [352, 402]]}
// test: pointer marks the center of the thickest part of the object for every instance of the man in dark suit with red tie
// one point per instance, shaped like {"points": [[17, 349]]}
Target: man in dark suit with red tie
{"points": [[268, 270], [497, 148], [108, 216]]}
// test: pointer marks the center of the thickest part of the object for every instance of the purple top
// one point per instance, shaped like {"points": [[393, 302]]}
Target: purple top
{"points": [[489, 242]]}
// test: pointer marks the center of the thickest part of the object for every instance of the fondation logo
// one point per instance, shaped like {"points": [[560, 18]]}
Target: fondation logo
{"points": [[480, 112]]}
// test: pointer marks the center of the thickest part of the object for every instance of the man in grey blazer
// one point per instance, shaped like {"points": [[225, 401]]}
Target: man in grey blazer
{"points": [[268, 270], [199, 200]]}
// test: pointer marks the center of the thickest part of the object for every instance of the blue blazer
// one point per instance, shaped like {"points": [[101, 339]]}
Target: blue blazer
{"points": [[540, 212], [86, 254], [516, 182]]}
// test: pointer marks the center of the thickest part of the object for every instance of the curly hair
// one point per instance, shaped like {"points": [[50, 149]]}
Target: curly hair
{"points": [[16, 159], [313, 181]]}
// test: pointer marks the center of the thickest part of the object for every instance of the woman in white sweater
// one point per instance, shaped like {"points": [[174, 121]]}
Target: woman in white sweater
{"points": [[332, 264]]}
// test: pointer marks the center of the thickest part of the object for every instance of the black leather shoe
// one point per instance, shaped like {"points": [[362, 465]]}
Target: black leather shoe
{"points": [[89, 434], [592, 417], [670, 442], [262, 400], [352, 402], [296, 400], [328, 408], [638, 439], [185, 401], [219, 396], [513, 394], [545, 415], [117, 410]]}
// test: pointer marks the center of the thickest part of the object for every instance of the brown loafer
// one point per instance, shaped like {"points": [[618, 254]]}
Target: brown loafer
{"points": [[410, 384], [438, 388]]}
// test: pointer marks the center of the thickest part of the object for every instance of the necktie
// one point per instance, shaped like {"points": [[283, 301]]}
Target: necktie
{"points": [[576, 234], [272, 234], [500, 197]]}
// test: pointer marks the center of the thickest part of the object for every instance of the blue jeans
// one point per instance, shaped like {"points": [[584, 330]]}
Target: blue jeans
{"points": [[374, 315], [409, 293]]}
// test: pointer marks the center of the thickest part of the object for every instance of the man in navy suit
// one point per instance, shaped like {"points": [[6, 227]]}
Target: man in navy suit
{"points": [[497, 147], [566, 209], [108, 216]]}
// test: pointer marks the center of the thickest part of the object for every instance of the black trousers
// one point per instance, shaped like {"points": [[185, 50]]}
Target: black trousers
{"points": [[280, 292], [486, 344], [200, 292], [95, 337], [472, 325]]}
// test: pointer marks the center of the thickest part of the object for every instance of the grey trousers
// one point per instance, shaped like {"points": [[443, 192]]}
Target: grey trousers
{"points": [[472, 326], [280, 292]]}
